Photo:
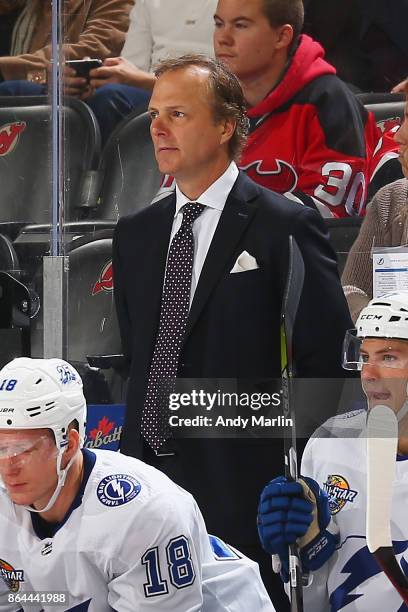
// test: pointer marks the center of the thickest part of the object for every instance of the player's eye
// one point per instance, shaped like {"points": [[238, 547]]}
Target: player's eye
{"points": [[217, 23], [388, 358], [153, 114], [363, 358], [241, 25], [178, 114]]}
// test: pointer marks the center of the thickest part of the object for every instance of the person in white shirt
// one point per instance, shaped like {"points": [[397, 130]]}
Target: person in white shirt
{"points": [[97, 530], [158, 29]]}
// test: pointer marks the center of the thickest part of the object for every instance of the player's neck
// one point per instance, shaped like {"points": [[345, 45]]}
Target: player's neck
{"points": [[403, 446], [73, 481]]}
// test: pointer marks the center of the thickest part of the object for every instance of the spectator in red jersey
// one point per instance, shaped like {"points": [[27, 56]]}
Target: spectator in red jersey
{"points": [[308, 131]]}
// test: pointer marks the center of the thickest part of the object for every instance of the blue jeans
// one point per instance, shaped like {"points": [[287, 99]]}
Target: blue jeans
{"points": [[22, 88], [112, 103]]}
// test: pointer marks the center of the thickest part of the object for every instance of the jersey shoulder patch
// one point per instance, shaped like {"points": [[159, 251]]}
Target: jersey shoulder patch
{"points": [[117, 489]]}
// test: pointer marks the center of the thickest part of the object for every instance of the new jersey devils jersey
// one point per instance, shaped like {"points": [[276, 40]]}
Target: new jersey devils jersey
{"points": [[311, 134]]}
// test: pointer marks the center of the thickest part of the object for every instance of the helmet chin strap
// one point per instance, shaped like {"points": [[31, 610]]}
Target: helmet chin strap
{"points": [[62, 474]]}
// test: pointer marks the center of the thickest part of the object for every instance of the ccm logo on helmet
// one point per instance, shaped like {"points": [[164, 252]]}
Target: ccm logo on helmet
{"points": [[371, 316]]}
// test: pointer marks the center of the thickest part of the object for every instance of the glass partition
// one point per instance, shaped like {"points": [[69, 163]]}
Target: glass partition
{"points": [[28, 169], [63, 188]]}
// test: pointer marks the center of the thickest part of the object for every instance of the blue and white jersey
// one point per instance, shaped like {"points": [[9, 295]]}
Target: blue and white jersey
{"points": [[132, 541], [352, 581]]}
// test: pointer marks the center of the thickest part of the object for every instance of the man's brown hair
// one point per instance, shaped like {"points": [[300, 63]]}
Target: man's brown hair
{"points": [[228, 99], [280, 12]]}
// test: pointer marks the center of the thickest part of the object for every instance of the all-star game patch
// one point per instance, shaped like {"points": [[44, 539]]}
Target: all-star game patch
{"points": [[11, 576], [117, 489], [339, 492]]}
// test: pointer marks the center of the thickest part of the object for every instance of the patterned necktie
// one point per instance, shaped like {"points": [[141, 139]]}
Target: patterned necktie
{"points": [[175, 305]]}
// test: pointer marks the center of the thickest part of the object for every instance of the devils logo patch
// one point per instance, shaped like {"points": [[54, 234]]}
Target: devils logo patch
{"points": [[9, 136]]}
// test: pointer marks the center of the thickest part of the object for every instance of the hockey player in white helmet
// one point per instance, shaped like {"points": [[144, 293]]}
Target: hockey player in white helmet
{"points": [[95, 530], [325, 512]]}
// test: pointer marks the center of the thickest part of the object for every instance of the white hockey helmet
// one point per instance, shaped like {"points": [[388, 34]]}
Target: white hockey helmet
{"points": [[42, 393], [385, 317]]}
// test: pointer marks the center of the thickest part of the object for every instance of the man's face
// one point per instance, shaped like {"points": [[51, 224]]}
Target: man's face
{"points": [[28, 465], [384, 375], [186, 139], [244, 40]]}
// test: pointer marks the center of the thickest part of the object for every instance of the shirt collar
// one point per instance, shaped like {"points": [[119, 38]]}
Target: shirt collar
{"points": [[216, 195]]}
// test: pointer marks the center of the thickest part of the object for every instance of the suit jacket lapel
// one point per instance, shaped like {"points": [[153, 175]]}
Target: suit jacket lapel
{"points": [[164, 211], [235, 218]]}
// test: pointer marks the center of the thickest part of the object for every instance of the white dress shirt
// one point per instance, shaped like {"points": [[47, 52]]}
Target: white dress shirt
{"points": [[213, 199], [168, 28]]}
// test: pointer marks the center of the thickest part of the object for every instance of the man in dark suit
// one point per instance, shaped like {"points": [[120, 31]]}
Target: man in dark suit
{"points": [[231, 323]]}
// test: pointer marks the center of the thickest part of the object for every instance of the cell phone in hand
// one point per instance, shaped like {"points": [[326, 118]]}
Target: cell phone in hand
{"points": [[82, 67]]}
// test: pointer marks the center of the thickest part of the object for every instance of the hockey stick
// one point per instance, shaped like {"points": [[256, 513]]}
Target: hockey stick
{"points": [[382, 443], [290, 304]]}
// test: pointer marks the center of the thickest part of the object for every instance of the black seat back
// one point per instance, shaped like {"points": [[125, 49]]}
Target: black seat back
{"points": [[387, 112], [26, 157], [92, 325], [343, 233], [130, 174], [374, 97]]}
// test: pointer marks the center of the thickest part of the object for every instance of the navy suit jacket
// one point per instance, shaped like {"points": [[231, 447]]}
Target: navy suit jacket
{"points": [[233, 330]]}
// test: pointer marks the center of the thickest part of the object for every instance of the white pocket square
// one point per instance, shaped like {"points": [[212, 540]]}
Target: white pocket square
{"points": [[244, 263]]}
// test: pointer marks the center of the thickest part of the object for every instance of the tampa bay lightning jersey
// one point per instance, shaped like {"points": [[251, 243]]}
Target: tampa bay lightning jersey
{"points": [[352, 581], [133, 542]]}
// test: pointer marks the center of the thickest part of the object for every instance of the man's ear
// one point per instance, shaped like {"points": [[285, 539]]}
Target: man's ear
{"points": [[285, 36], [229, 126], [73, 444]]}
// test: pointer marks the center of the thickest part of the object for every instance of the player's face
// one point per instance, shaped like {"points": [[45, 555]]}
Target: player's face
{"points": [[28, 465], [187, 141], [384, 374], [401, 138], [244, 40]]}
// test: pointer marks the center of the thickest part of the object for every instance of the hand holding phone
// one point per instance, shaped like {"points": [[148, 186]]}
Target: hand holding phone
{"points": [[82, 67]]}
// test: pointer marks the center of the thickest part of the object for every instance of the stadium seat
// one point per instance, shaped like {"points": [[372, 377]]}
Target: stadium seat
{"points": [[8, 256], [26, 156], [92, 324], [16, 307], [129, 174], [387, 111], [342, 234], [374, 97]]}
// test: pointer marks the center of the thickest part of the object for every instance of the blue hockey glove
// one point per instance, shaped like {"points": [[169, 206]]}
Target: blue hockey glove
{"points": [[296, 511]]}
